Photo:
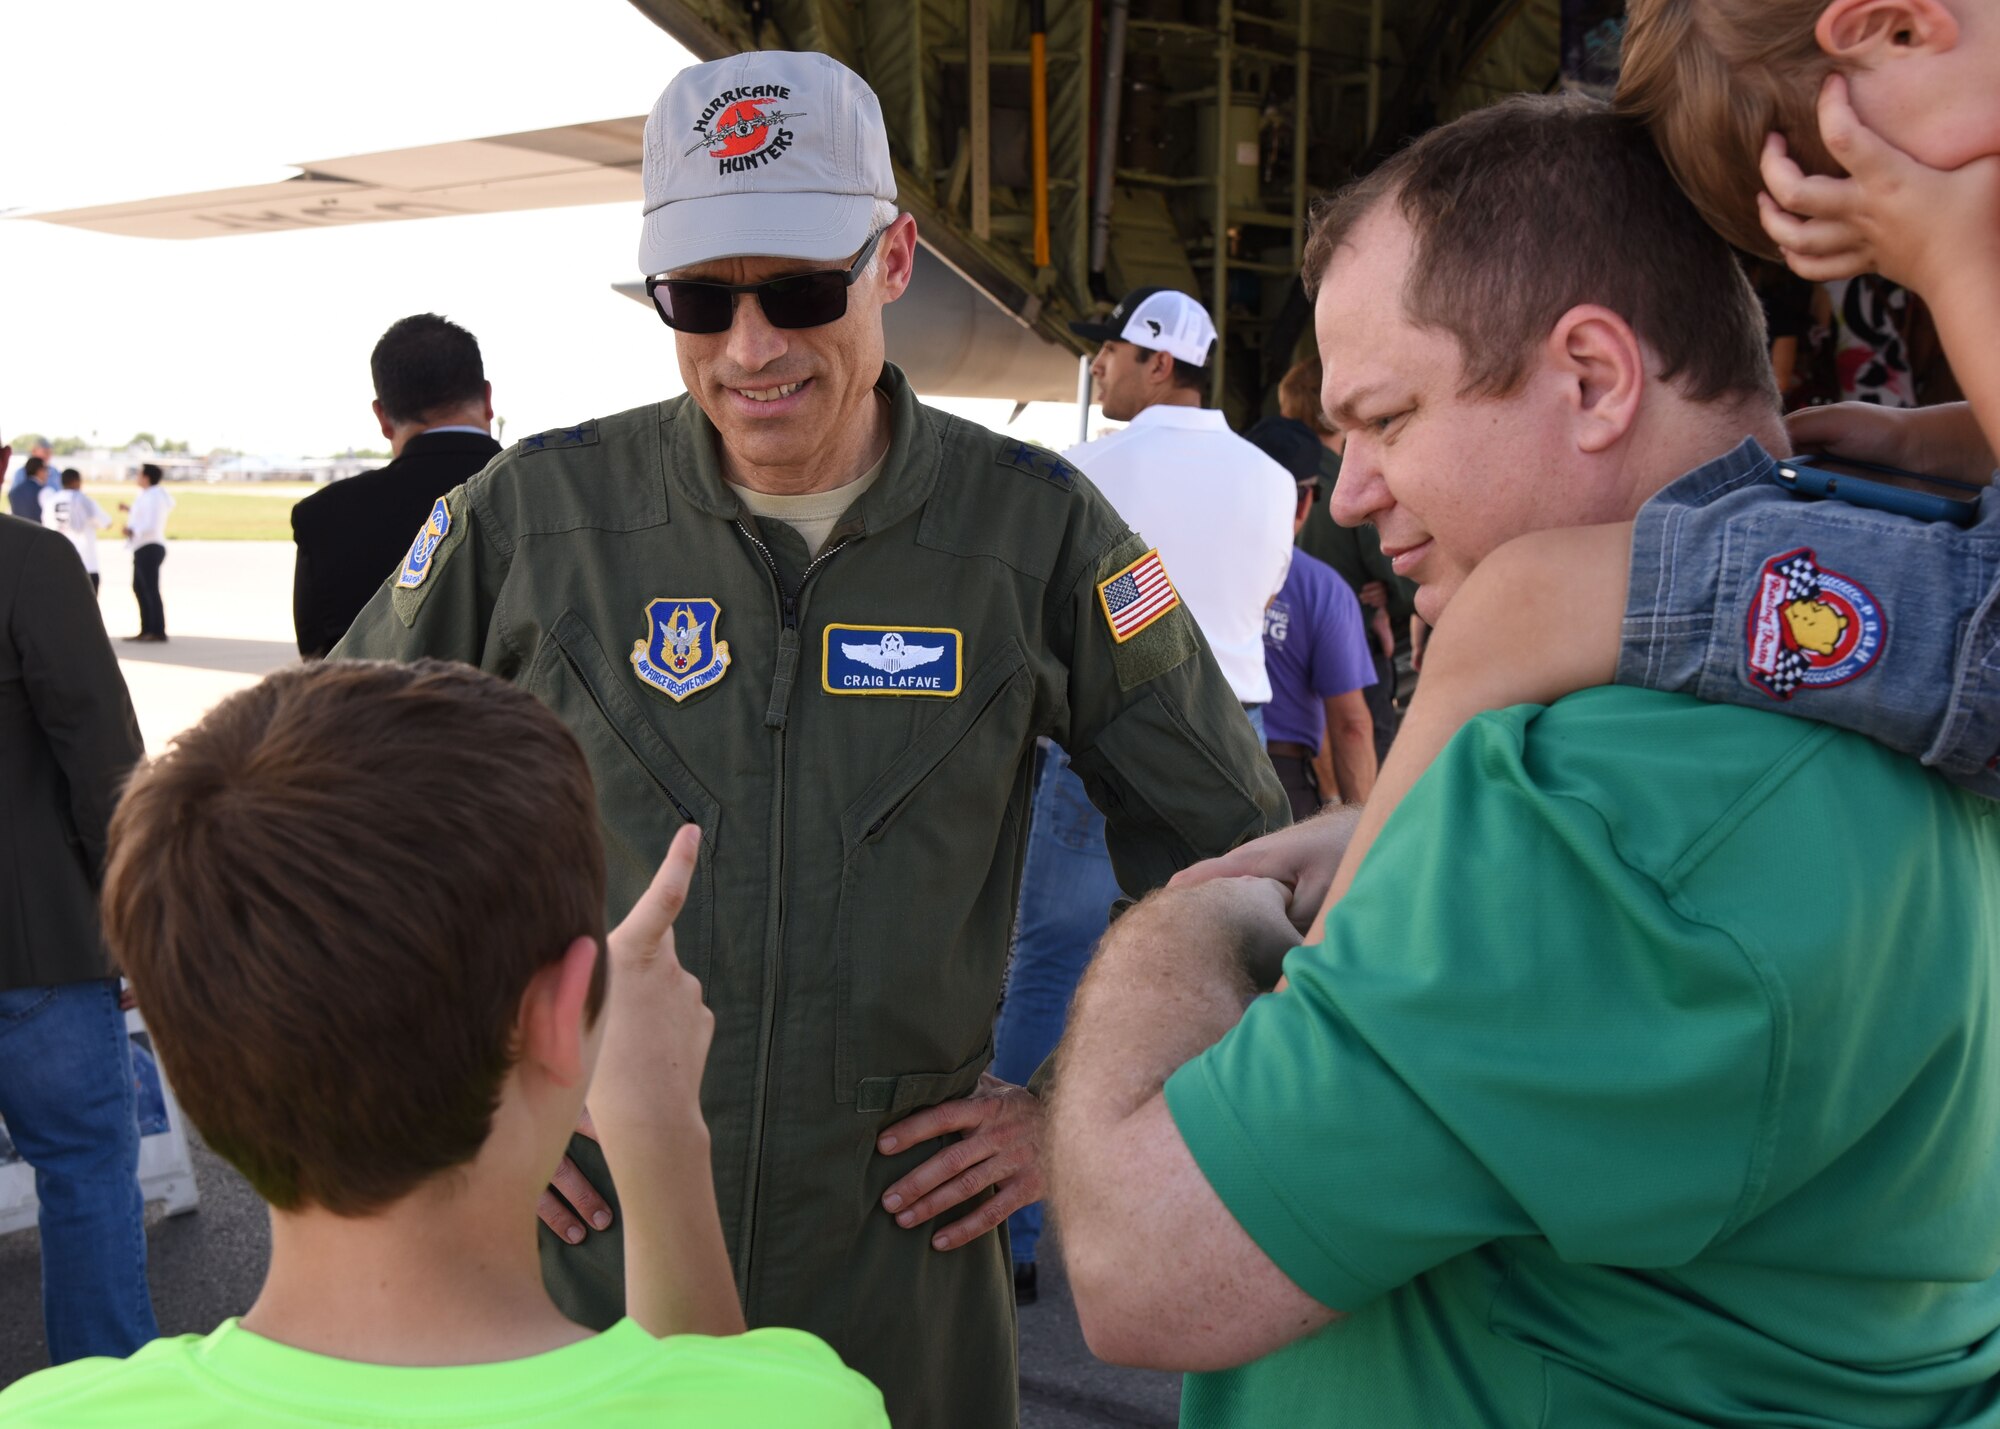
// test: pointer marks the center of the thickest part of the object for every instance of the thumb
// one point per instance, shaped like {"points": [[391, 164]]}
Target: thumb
{"points": [[652, 917], [1854, 146]]}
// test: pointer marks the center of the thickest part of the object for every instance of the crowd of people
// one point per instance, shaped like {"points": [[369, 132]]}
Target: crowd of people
{"points": [[56, 499], [830, 833]]}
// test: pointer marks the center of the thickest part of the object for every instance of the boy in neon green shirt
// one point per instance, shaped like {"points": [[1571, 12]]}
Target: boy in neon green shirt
{"points": [[362, 906]]}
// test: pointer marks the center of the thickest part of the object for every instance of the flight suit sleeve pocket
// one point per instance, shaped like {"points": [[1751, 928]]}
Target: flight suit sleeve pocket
{"points": [[1169, 796], [644, 791]]}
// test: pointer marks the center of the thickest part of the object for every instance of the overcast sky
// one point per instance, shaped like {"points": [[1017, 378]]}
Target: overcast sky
{"points": [[261, 342]]}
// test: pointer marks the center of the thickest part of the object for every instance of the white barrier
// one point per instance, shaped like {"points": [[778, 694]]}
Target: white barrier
{"points": [[166, 1172]]}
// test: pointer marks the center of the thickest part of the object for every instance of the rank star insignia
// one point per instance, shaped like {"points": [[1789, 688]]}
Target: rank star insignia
{"points": [[1038, 461], [680, 654]]}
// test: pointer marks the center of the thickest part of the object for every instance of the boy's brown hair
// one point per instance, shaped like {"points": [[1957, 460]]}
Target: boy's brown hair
{"points": [[330, 896], [1540, 203], [1711, 78]]}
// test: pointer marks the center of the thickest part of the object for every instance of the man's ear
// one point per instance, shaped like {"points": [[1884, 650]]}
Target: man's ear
{"points": [[489, 404], [1602, 366], [1868, 32], [898, 257], [551, 1023], [382, 420]]}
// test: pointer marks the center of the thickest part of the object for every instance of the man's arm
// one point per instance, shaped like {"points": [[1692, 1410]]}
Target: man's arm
{"points": [[1164, 748], [1350, 744], [311, 646], [74, 687], [1163, 1275]]}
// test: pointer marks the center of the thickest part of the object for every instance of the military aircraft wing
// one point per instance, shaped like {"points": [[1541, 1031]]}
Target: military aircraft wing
{"points": [[544, 168], [953, 339]]}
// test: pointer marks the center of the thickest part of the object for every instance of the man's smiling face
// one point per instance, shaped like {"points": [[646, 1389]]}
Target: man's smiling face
{"points": [[1443, 476], [781, 396]]}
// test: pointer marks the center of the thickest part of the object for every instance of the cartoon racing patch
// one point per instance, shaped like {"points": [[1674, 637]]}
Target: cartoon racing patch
{"points": [[680, 653], [1810, 628], [892, 660]]}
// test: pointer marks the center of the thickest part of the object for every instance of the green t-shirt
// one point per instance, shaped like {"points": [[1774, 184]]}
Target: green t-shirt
{"points": [[1647, 1076], [767, 1379]]}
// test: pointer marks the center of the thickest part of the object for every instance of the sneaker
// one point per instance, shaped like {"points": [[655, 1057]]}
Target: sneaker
{"points": [[1025, 1291]]}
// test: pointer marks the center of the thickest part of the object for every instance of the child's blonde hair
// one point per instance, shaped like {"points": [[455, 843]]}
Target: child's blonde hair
{"points": [[1710, 78]]}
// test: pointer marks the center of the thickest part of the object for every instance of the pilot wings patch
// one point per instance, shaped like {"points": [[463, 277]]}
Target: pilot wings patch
{"points": [[892, 660]]}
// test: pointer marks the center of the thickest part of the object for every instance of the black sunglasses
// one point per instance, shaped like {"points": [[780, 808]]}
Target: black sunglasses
{"points": [[798, 300]]}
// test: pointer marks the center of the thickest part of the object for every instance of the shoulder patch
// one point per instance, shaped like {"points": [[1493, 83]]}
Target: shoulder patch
{"points": [[443, 533], [1037, 461], [1149, 629], [584, 434]]}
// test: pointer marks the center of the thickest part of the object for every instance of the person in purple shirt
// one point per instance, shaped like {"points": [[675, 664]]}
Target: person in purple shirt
{"points": [[1317, 728]]}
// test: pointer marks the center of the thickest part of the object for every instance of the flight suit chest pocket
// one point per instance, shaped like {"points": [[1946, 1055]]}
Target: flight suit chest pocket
{"points": [[644, 792], [926, 894]]}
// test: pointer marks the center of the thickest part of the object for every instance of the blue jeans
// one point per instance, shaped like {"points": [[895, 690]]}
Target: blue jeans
{"points": [[66, 1095], [1067, 889], [1743, 594]]}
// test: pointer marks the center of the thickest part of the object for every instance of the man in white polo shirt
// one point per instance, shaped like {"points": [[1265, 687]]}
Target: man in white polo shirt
{"points": [[1219, 513]]}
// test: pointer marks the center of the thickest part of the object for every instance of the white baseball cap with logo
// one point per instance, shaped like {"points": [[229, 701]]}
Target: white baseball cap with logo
{"points": [[769, 154], [1160, 319]]}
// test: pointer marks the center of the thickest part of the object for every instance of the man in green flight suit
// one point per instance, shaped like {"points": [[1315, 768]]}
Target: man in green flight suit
{"points": [[826, 624]]}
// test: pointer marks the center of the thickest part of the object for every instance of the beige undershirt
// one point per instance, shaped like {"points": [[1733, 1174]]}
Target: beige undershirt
{"points": [[814, 514]]}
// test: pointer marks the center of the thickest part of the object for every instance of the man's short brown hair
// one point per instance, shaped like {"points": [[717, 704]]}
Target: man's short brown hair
{"points": [[1534, 205], [1711, 78], [330, 896], [1298, 394]]}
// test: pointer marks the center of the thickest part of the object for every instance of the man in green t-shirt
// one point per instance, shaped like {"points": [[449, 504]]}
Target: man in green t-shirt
{"points": [[361, 906], [1647, 1074]]}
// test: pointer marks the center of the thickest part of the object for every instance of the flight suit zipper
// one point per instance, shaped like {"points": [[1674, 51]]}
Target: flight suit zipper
{"points": [[784, 671]]}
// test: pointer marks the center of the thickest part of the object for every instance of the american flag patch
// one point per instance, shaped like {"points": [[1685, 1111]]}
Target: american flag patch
{"points": [[1137, 596]]}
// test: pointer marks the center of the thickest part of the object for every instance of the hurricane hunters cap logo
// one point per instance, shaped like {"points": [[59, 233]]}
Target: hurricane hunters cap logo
{"points": [[764, 154], [1810, 628], [742, 128]]}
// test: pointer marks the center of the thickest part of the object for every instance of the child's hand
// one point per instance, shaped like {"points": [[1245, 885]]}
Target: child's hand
{"points": [[657, 1029], [1937, 441], [1913, 224]]}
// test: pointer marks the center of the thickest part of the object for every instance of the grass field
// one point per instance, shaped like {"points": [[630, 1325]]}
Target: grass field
{"points": [[253, 511]]}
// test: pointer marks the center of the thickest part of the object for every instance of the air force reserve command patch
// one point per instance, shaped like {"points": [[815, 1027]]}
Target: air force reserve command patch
{"points": [[892, 660], [1810, 628], [680, 653], [417, 564]]}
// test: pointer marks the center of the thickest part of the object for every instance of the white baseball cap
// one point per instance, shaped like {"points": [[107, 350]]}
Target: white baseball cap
{"points": [[1162, 319], [765, 154]]}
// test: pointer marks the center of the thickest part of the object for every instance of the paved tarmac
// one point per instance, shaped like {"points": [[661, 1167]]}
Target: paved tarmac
{"points": [[228, 607]]}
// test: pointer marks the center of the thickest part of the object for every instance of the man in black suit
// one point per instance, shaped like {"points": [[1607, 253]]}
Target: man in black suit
{"points": [[68, 739], [436, 408]]}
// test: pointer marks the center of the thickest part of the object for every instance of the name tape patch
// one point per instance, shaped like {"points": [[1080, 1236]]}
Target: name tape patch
{"points": [[892, 660], [417, 564], [1137, 596]]}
